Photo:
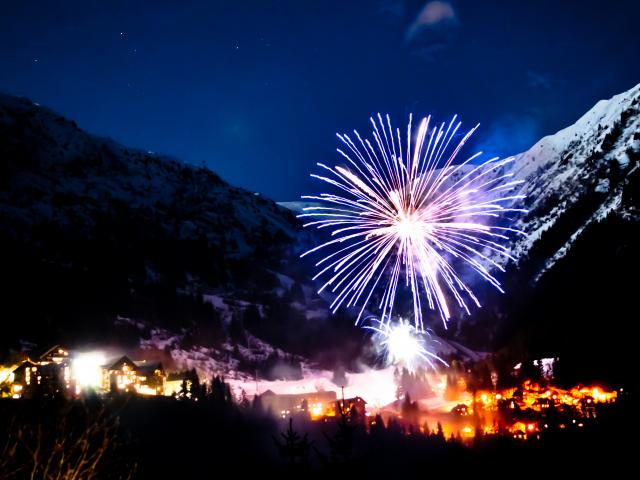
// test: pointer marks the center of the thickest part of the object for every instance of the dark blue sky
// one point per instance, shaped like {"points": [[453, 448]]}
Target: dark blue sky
{"points": [[257, 89]]}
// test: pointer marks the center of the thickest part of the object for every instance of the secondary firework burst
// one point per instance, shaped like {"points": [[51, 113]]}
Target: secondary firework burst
{"points": [[405, 210], [403, 344]]}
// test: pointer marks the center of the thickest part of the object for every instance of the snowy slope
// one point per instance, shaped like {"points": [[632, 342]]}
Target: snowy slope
{"points": [[100, 231], [183, 227], [590, 159], [57, 172]]}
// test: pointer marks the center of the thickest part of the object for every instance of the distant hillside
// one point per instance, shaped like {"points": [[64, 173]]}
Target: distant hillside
{"points": [[572, 292], [92, 231], [104, 244]]}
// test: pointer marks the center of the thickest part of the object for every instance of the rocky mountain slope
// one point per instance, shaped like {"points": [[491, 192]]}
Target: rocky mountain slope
{"points": [[104, 244], [572, 289], [582, 172], [92, 231]]}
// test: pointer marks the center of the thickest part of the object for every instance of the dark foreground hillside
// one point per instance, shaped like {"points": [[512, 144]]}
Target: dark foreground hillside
{"points": [[161, 438]]}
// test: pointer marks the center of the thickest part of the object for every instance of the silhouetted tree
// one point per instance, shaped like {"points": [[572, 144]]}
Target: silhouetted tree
{"points": [[293, 447], [184, 390], [257, 404], [410, 411], [341, 443], [377, 426], [244, 400]]}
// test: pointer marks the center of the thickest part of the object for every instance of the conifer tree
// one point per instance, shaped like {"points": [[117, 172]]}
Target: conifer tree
{"points": [[293, 447]]}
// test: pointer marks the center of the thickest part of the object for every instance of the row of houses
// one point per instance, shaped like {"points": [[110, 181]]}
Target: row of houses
{"points": [[56, 371], [319, 405], [59, 372]]}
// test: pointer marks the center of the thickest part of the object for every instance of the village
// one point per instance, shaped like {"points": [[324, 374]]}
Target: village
{"points": [[521, 412], [58, 371]]}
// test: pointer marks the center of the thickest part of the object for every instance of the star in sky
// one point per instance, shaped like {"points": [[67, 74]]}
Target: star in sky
{"points": [[171, 78]]}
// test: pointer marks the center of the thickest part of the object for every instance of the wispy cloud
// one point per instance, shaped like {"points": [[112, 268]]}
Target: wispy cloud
{"points": [[434, 15], [432, 28]]}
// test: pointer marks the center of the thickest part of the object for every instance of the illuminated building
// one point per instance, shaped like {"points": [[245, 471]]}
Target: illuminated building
{"points": [[57, 372], [57, 354], [354, 408], [461, 410], [315, 404], [173, 387], [86, 371], [49, 374], [126, 376], [23, 379]]}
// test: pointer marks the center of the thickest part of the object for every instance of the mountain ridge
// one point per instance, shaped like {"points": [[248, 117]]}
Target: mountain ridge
{"points": [[98, 231]]}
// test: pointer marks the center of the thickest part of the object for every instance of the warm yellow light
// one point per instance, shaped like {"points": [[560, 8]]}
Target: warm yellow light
{"points": [[86, 369], [6, 374], [145, 390]]}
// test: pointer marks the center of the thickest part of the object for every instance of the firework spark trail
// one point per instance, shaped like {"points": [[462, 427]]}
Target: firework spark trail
{"points": [[403, 212], [403, 344]]}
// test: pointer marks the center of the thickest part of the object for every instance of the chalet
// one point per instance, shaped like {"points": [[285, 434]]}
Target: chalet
{"points": [[173, 385], [56, 366], [56, 354], [315, 404], [541, 404], [460, 410], [125, 375], [50, 374], [179, 384], [23, 378], [355, 409], [151, 377]]}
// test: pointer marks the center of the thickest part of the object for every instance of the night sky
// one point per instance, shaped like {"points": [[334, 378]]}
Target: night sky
{"points": [[257, 90]]}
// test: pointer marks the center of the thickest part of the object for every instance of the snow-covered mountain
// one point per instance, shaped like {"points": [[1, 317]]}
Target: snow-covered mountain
{"points": [[579, 172], [92, 231], [578, 176], [573, 288], [104, 243], [120, 245], [54, 172]]}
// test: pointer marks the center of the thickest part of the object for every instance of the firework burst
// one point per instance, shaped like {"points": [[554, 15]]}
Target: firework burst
{"points": [[405, 210], [403, 344]]}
